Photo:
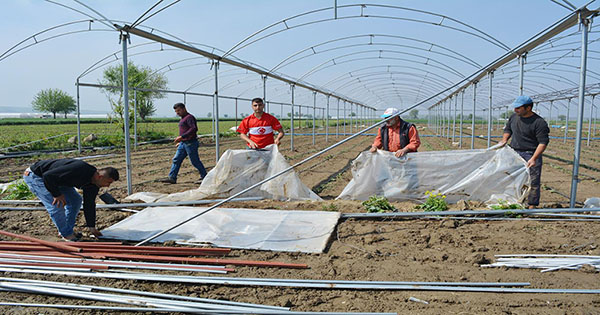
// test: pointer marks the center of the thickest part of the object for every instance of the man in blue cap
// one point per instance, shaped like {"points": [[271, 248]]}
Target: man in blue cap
{"points": [[529, 134]]}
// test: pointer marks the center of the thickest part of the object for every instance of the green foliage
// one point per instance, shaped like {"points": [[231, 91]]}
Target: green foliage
{"points": [[507, 114], [330, 207], [18, 191], [54, 101], [139, 77], [434, 202], [378, 204], [503, 204]]}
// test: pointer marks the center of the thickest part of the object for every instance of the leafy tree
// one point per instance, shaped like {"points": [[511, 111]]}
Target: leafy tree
{"points": [[209, 114], [414, 114], [139, 77], [352, 114], [562, 117], [506, 114], [54, 101]]}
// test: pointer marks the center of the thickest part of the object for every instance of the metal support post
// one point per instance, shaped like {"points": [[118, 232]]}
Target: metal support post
{"points": [[567, 121], [449, 103], [522, 60], [351, 122], [264, 79], [337, 116], [489, 135], [584, 24], [124, 39], [135, 118], [78, 119], [292, 120], [473, 118], [462, 107], [550, 113], [454, 117], [327, 120], [590, 121], [216, 118], [314, 114], [344, 118], [236, 112]]}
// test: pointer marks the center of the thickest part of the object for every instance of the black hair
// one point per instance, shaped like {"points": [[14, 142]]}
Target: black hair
{"points": [[257, 100], [178, 105], [110, 172]]}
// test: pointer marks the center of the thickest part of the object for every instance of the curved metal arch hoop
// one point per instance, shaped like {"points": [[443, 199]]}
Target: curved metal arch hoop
{"points": [[367, 84], [333, 62], [475, 31], [381, 73], [350, 73], [284, 62]]}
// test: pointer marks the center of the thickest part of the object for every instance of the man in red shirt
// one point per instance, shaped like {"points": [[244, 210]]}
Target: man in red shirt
{"points": [[257, 129], [396, 135]]}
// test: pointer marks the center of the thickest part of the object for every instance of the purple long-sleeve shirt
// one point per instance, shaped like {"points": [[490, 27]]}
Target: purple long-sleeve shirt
{"points": [[188, 128]]}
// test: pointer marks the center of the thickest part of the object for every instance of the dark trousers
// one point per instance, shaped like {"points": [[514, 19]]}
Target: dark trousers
{"points": [[536, 173]]}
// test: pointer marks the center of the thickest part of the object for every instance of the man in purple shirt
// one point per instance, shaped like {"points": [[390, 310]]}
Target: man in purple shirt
{"points": [[187, 145]]}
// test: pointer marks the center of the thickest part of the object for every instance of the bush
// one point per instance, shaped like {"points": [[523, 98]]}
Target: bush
{"points": [[378, 204], [18, 191], [434, 202], [503, 204]]}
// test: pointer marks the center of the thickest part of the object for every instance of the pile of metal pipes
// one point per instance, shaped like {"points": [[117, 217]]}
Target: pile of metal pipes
{"points": [[141, 301], [33, 252], [545, 262]]}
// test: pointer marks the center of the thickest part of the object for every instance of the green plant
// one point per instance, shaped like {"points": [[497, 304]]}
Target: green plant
{"points": [[378, 204], [330, 207], [503, 204], [18, 191], [434, 202]]}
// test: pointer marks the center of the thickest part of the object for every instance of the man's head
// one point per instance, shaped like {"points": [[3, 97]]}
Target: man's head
{"points": [[391, 112], [523, 106], [180, 109], [105, 176], [258, 106]]}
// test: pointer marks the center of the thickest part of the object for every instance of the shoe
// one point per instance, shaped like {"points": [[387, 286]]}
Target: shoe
{"points": [[75, 237], [168, 180]]}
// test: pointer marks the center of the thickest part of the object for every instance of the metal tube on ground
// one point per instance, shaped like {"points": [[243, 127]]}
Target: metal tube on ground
{"points": [[465, 212]]}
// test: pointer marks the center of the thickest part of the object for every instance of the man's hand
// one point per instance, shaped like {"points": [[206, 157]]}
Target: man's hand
{"points": [[178, 139], [277, 141], [401, 152], [252, 144], [531, 163], [59, 201], [95, 232], [502, 143], [373, 149]]}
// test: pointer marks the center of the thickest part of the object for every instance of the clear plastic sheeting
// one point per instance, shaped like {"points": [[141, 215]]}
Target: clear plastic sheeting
{"points": [[480, 175], [277, 230], [240, 169]]}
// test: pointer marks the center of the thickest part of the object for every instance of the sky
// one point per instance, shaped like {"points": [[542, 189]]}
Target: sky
{"points": [[58, 62]]}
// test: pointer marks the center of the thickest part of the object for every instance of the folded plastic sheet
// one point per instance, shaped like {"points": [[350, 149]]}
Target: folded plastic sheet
{"points": [[240, 169], [480, 175], [290, 231]]}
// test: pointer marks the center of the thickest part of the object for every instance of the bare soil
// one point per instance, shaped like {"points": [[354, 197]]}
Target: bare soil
{"points": [[391, 250]]}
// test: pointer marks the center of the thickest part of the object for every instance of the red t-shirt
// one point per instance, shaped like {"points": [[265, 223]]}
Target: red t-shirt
{"points": [[260, 130]]}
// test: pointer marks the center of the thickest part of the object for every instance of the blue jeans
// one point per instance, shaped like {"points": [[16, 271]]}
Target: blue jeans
{"points": [[187, 148], [63, 218], [536, 173]]}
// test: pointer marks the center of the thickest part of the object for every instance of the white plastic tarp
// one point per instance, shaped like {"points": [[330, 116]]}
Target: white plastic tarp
{"points": [[486, 175], [290, 231], [240, 169]]}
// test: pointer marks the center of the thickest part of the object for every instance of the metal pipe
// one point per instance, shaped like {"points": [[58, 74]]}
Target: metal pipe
{"points": [[124, 39], [135, 105], [454, 118], [216, 118], [314, 116], [489, 133], [78, 119], [522, 60], [465, 212], [590, 121], [327, 120], [567, 121], [337, 126], [585, 23], [473, 118], [462, 103], [264, 79], [292, 121], [236, 112]]}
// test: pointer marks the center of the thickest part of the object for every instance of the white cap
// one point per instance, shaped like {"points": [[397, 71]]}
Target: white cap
{"points": [[390, 112]]}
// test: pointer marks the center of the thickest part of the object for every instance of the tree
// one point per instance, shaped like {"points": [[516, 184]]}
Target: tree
{"points": [[209, 114], [506, 114], [562, 117], [352, 114], [414, 114], [139, 77], [54, 101]]}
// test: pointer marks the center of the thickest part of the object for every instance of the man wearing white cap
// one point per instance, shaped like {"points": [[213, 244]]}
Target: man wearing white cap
{"points": [[396, 135], [529, 134]]}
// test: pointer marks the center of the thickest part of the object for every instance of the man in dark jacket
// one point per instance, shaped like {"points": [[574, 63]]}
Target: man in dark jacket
{"points": [[187, 145], [54, 182], [396, 135], [529, 134]]}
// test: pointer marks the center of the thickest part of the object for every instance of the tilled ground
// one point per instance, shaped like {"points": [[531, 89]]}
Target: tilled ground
{"points": [[391, 250]]}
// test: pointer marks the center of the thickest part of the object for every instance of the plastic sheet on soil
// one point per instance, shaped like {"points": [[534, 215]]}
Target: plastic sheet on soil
{"points": [[486, 175]]}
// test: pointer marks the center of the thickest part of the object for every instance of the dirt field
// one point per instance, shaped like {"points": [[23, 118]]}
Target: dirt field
{"points": [[391, 250]]}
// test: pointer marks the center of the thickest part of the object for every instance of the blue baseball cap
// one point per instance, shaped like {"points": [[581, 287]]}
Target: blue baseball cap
{"points": [[522, 100]]}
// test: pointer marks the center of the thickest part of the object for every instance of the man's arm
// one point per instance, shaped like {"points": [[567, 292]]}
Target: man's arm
{"points": [[279, 136], [377, 142], [505, 137], [413, 144], [89, 207], [538, 152], [251, 143]]}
